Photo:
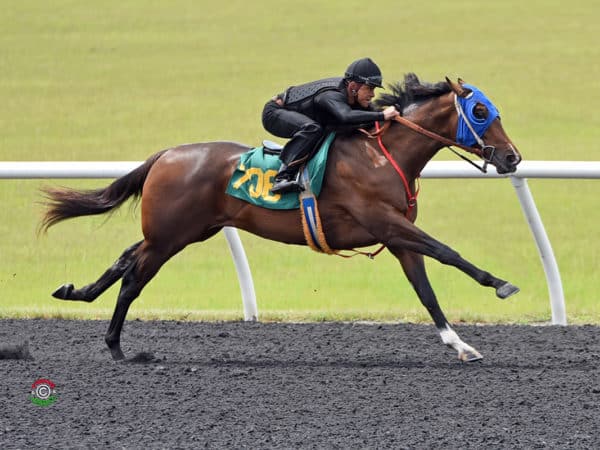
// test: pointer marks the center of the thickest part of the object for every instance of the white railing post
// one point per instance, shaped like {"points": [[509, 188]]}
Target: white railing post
{"points": [[244, 275], [555, 288]]}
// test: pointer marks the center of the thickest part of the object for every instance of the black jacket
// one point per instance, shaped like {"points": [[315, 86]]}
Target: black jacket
{"points": [[330, 108]]}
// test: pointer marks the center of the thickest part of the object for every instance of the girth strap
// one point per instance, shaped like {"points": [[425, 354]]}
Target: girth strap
{"points": [[312, 227]]}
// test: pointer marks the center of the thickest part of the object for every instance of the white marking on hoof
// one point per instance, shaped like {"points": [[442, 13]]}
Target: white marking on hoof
{"points": [[470, 356], [466, 353]]}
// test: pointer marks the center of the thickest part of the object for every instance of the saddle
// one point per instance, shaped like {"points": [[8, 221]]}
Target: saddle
{"points": [[271, 148], [255, 173]]}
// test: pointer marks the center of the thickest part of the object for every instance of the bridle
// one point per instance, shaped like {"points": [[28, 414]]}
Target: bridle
{"points": [[485, 152]]}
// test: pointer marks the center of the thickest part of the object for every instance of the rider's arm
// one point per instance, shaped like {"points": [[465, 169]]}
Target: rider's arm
{"points": [[334, 104]]}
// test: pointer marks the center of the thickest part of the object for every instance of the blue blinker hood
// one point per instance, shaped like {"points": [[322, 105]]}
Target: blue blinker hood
{"points": [[463, 134]]}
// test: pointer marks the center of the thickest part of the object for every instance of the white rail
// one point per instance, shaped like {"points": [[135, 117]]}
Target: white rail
{"points": [[435, 169]]}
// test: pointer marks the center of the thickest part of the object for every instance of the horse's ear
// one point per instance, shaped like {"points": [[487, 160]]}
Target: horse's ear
{"points": [[456, 87], [461, 81]]}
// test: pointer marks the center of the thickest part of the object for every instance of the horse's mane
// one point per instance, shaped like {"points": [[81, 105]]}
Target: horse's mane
{"points": [[411, 91]]}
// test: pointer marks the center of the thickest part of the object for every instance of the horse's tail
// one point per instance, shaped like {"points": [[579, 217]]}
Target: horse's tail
{"points": [[65, 203]]}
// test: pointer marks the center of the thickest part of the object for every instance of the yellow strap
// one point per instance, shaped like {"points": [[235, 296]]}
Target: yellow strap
{"points": [[322, 246]]}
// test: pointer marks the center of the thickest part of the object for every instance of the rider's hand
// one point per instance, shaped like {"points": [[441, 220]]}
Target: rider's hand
{"points": [[390, 112]]}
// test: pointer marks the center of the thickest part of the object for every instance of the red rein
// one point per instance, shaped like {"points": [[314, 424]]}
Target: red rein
{"points": [[412, 198]]}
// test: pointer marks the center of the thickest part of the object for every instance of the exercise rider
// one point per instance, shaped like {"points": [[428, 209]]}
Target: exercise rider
{"points": [[306, 113]]}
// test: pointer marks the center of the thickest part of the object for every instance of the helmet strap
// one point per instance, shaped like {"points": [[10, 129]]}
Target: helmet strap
{"points": [[353, 91]]}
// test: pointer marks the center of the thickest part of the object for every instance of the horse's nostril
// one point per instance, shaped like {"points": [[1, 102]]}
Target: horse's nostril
{"points": [[512, 159]]}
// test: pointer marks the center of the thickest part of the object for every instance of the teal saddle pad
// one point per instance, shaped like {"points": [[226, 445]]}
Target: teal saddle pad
{"points": [[255, 173]]}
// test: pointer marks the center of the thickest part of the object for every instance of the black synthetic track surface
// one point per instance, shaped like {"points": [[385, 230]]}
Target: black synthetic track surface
{"points": [[324, 385]]}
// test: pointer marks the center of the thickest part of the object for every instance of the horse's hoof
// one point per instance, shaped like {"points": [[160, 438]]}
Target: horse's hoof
{"points": [[63, 292], [506, 290], [117, 355], [116, 352], [470, 356]]}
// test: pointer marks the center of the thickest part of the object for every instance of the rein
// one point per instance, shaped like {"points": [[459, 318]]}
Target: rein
{"points": [[412, 198], [419, 129], [450, 143], [486, 152]]}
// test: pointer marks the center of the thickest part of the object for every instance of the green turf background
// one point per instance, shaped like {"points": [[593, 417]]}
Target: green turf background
{"points": [[113, 80]]}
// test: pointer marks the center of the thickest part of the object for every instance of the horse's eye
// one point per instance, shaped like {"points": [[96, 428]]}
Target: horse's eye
{"points": [[480, 112]]}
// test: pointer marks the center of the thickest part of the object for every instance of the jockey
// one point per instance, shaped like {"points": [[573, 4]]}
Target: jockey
{"points": [[306, 113]]}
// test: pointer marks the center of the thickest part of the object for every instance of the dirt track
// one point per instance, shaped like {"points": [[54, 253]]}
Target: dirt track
{"points": [[241, 385]]}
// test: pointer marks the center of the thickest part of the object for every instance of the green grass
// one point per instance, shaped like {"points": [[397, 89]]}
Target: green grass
{"points": [[119, 81]]}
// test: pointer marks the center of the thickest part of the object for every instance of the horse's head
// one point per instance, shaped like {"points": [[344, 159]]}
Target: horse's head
{"points": [[480, 129]]}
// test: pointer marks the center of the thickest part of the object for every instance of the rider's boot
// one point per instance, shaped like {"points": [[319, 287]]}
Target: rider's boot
{"points": [[294, 153], [287, 180]]}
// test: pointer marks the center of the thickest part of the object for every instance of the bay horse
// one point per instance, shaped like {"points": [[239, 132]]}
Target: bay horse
{"points": [[363, 200]]}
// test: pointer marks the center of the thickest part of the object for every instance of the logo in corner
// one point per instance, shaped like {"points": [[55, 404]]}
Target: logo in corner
{"points": [[43, 392]]}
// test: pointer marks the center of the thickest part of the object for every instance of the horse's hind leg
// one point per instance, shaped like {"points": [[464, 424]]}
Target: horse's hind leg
{"points": [[148, 260], [90, 292], [408, 236], [414, 268]]}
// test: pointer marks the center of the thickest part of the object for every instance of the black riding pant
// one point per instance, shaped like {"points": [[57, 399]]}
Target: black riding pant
{"points": [[304, 133]]}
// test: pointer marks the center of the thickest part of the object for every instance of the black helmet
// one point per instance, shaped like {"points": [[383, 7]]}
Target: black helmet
{"points": [[364, 71]]}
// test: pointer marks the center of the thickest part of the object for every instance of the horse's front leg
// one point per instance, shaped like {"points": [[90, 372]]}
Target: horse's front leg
{"points": [[414, 269]]}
